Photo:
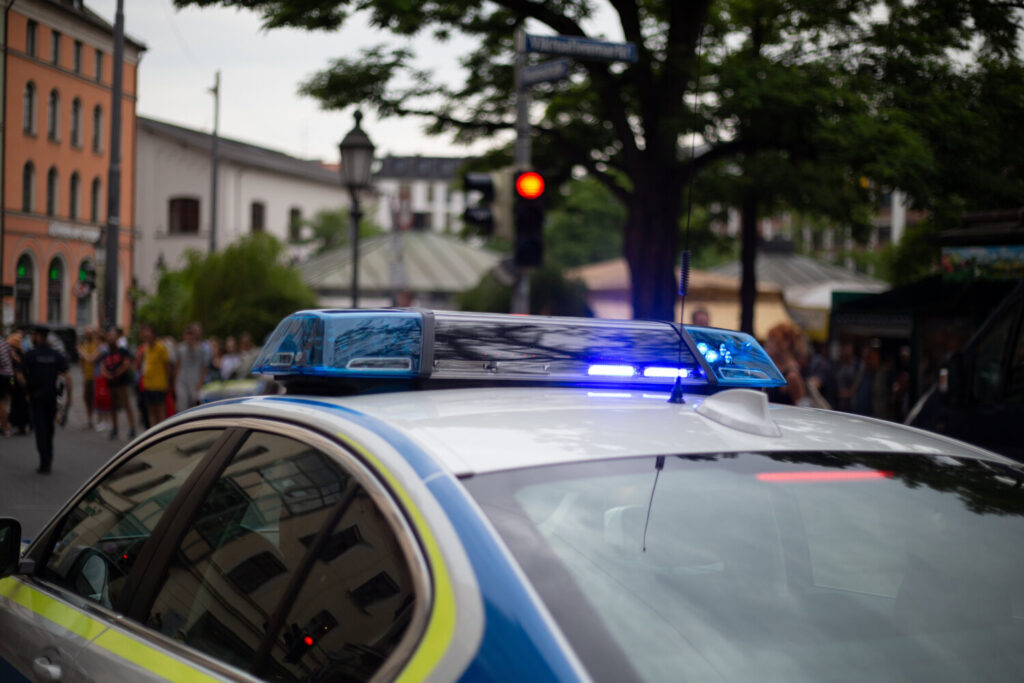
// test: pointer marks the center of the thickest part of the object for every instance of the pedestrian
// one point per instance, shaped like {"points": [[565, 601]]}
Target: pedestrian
{"points": [[6, 382], [156, 374], [18, 415], [89, 352], [191, 361], [43, 367], [700, 317], [117, 369], [230, 360], [871, 390]]}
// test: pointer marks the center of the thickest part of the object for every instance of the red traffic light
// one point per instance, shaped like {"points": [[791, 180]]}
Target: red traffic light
{"points": [[308, 640], [530, 185]]}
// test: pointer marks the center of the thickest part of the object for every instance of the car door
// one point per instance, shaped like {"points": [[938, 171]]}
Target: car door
{"points": [[79, 574], [292, 564]]}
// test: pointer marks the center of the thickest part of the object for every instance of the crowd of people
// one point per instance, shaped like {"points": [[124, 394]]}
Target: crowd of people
{"points": [[146, 382], [872, 382], [868, 380]]}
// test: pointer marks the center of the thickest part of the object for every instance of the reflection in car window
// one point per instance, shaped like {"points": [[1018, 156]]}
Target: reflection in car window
{"points": [[100, 539], [289, 571], [988, 369], [771, 567]]}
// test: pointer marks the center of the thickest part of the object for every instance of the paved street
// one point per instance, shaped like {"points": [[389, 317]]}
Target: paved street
{"points": [[78, 452]]}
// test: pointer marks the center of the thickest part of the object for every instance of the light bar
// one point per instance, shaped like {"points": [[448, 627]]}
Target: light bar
{"points": [[611, 371], [405, 345]]}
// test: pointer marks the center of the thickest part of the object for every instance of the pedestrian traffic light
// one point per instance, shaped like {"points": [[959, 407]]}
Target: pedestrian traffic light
{"points": [[489, 202], [297, 644], [87, 276], [479, 212], [529, 219]]}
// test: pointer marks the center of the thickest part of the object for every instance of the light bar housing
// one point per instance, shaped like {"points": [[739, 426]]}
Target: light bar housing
{"points": [[358, 349]]}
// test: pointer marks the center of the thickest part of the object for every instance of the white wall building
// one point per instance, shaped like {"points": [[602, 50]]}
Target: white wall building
{"points": [[258, 190], [425, 192]]}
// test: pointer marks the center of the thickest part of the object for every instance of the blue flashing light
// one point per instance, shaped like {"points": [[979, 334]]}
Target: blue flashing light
{"points": [[405, 344], [735, 358], [611, 371]]}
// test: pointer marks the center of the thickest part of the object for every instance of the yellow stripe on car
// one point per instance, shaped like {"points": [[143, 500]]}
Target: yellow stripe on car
{"points": [[115, 642], [441, 627]]}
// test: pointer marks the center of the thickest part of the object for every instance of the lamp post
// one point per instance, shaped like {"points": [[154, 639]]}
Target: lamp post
{"points": [[356, 160]]}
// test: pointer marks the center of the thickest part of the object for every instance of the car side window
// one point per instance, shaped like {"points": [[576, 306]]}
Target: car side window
{"points": [[1015, 391], [289, 570], [988, 361], [101, 537]]}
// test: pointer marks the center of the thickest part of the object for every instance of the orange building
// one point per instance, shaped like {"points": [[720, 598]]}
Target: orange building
{"points": [[58, 73]]}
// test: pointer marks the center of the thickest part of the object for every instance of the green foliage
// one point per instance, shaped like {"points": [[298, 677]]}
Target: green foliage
{"points": [[550, 294], [796, 101], [331, 226], [243, 288], [585, 226]]}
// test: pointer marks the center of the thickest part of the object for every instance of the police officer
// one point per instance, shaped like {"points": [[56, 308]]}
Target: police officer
{"points": [[43, 365]]}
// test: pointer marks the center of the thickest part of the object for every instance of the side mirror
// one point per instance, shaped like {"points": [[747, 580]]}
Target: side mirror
{"points": [[10, 545]]}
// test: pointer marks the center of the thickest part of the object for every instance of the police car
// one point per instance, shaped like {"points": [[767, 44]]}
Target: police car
{"points": [[452, 496]]}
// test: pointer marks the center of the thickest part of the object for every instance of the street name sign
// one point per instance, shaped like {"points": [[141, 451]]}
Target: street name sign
{"points": [[581, 48], [554, 70]]}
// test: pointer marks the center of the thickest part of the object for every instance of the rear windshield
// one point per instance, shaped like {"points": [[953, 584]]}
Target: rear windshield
{"points": [[793, 567]]}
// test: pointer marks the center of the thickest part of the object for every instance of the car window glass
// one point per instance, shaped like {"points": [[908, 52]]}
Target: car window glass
{"points": [[289, 570], [100, 539], [988, 364], [1015, 392]]}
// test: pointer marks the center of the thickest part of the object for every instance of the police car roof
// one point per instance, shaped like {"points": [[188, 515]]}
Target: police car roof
{"points": [[480, 430]]}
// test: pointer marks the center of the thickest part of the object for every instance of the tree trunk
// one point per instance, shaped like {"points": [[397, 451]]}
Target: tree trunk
{"points": [[748, 259], [652, 249]]}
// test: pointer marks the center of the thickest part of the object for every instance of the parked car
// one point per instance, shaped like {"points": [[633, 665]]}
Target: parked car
{"points": [[980, 394]]}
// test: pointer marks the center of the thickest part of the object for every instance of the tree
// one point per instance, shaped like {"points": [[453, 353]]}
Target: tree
{"points": [[816, 91], [243, 288], [331, 226]]}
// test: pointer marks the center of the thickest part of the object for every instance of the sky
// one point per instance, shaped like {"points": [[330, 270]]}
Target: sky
{"points": [[260, 74]]}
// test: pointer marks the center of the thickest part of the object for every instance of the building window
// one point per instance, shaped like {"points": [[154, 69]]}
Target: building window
{"points": [[75, 195], [294, 224], [55, 292], [31, 31], [78, 56], [51, 192], [257, 216], [430, 193], [76, 122], [53, 117], [94, 213], [55, 48], [24, 289], [99, 65], [83, 304], [97, 128], [183, 216], [29, 108], [28, 187]]}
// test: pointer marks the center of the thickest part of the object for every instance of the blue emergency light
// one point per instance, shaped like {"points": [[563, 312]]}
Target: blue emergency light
{"points": [[364, 348]]}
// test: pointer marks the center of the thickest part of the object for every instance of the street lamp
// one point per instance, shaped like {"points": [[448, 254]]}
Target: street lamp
{"points": [[356, 159]]}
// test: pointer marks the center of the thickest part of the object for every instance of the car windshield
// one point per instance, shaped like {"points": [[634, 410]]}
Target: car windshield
{"points": [[769, 567]]}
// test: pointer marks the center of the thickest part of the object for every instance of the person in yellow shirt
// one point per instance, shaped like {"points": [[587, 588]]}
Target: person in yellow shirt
{"points": [[156, 374], [89, 352]]}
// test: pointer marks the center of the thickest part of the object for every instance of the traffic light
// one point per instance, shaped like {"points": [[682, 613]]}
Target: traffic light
{"points": [[297, 644], [480, 214], [87, 276], [489, 202], [529, 219]]}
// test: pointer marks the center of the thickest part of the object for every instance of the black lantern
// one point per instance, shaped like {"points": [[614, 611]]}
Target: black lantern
{"points": [[356, 162]]}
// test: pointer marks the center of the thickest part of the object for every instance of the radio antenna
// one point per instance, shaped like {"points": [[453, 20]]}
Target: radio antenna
{"points": [[684, 259]]}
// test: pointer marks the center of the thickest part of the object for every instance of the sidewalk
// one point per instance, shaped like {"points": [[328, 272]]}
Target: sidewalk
{"points": [[79, 452]]}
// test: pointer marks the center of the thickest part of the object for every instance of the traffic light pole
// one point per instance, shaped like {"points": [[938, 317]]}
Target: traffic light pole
{"points": [[521, 289], [113, 227]]}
